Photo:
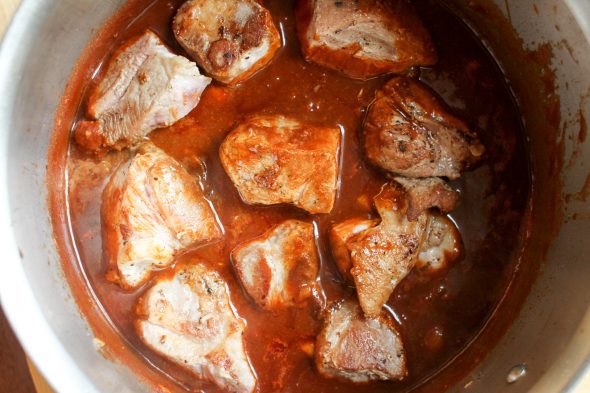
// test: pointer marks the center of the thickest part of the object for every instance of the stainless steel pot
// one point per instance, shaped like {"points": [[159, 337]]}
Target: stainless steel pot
{"points": [[549, 340]]}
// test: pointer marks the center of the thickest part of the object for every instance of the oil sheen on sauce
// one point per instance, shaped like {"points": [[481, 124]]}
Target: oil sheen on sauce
{"points": [[438, 314]]}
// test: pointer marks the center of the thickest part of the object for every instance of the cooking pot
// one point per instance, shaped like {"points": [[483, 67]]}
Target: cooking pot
{"points": [[543, 47]]}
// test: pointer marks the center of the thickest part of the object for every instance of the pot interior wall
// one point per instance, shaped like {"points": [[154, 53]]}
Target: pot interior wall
{"points": [[547, 63], [42, 45], [548, 68]]}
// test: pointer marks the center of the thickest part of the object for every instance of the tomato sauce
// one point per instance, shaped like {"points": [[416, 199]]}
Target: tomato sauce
{"points": [[438, 314]]}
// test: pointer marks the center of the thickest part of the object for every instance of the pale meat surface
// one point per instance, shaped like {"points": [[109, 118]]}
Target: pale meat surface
{"points": [[409, 131], [151, 209], [188, 318], [145, 87], [363, 38], [442, 243], [274, 159], [280, 268], [383, 255], [357, 348], [340, 235], [424, 193], [230, 40]]}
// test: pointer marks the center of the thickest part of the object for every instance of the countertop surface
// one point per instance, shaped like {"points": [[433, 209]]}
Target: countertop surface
{"points": [[7, 8]]}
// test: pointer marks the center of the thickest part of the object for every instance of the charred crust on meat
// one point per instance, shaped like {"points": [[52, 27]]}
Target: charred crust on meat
{"points": [[221, 54], [254, 31]]}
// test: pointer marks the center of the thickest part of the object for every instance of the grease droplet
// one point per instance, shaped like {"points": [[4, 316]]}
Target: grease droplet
{"points": [[516, 373]]}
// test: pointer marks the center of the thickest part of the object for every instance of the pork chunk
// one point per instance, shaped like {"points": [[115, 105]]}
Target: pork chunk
{"points": [[230, 40], [279, 268], [340, 234], [442, 243], [383, 255], [357, 348], [363, 38], [145, 87], [409, 131], [188, 319], [378, 255], [273, 160], [151, 209], [426, 193]]}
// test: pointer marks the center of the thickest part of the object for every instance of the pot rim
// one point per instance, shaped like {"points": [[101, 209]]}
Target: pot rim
{"points": [[22, 311], [17, 299]]}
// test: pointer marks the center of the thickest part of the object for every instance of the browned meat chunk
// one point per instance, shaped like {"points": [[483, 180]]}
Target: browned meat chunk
{"points": [[357, 348], [339, 235], [442, 243], [273, 160], [383, 255], [377, 256], [426, 193], [188, 319], [230, 40], [363, 38], [409, 131], [145, 87], [151, 209], [279, 268]]}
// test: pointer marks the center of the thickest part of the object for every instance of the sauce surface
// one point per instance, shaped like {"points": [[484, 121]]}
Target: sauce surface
{"points": [[438, 314]]}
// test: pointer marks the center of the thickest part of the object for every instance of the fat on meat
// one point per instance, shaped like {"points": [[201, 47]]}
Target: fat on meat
{"points": [[152, 208], [354, 347], [230, 40], [145, 87], [363, 38], [274, 160], [279, 268], [188, 318]]}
